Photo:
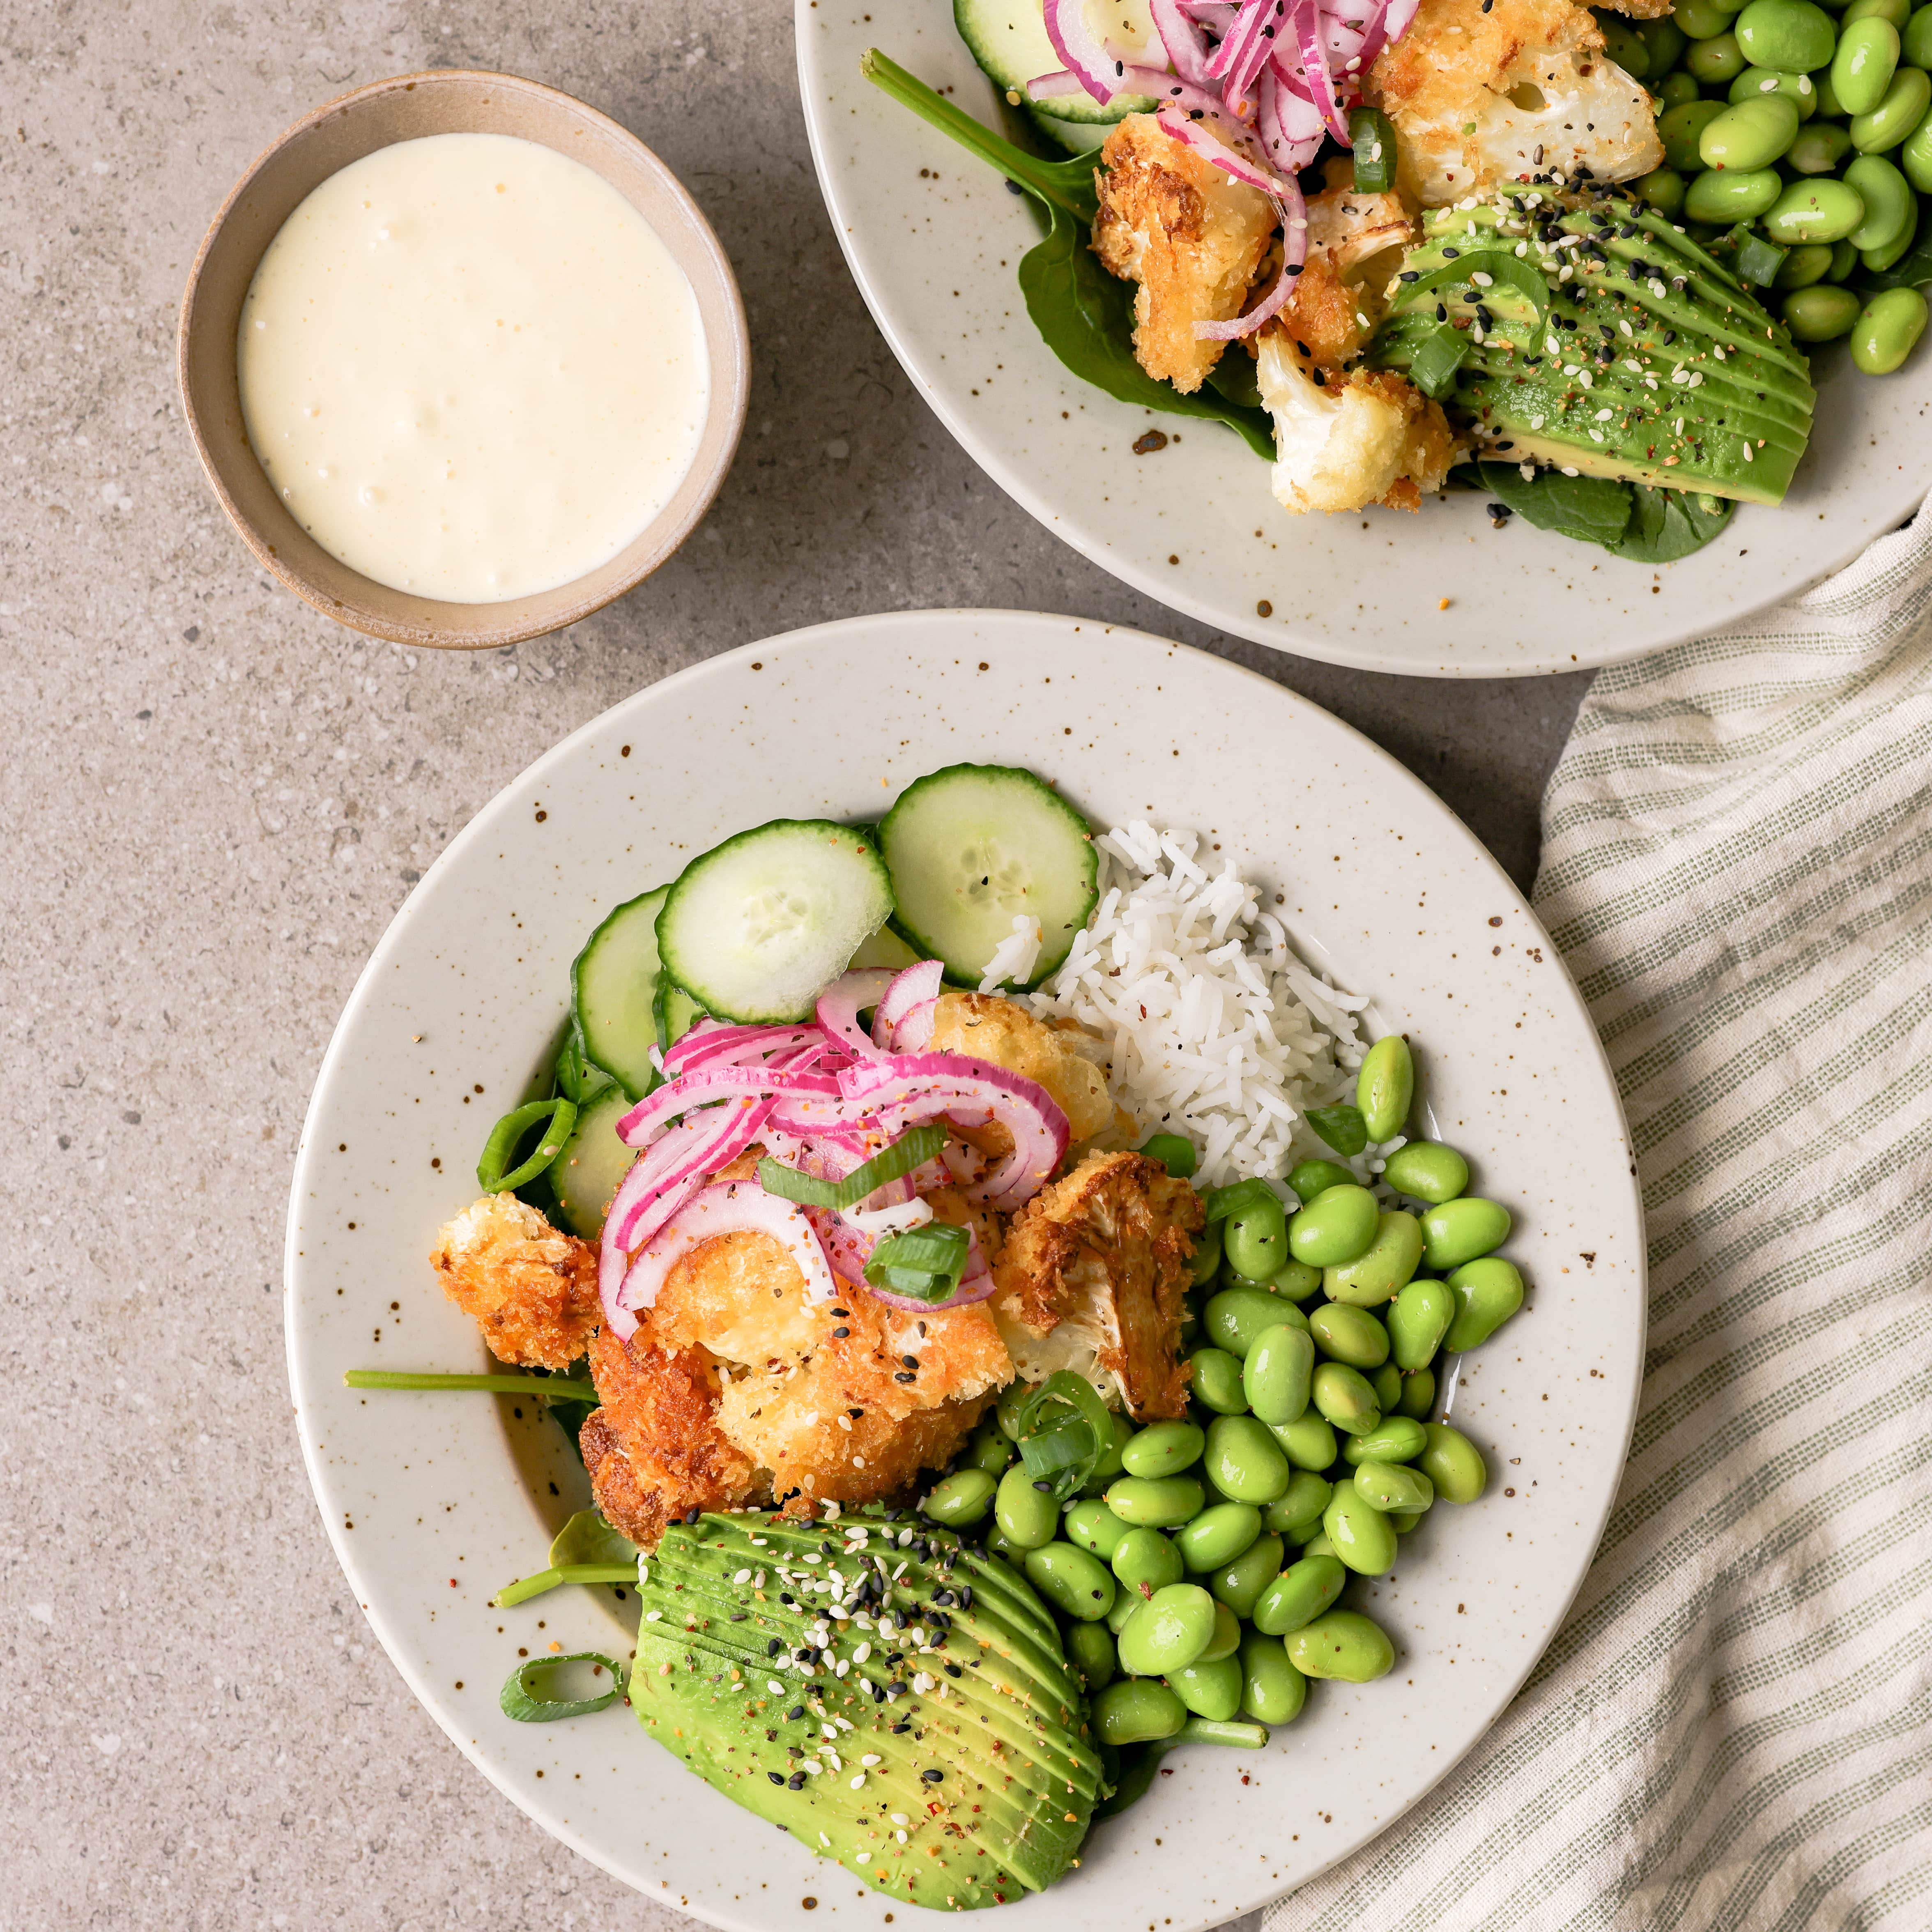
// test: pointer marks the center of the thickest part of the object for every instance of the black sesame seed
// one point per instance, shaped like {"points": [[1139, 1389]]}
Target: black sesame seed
{"points": [[776, 1776], [933, 1776], [1450, 254], [1410, 275], [773, 1647], [795, 1782], [841, 1334], [1499, 510], [900, 1730], [908, 1361], [738, 1616], [797, 1711], [905, 1375]]}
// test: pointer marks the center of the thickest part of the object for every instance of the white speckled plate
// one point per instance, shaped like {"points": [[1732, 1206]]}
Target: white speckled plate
{"points": [[933, 238], [433, 1501]]}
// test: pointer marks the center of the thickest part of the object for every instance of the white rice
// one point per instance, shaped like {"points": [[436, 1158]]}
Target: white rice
{"points": [[1217, 1030], [1015, 957]]}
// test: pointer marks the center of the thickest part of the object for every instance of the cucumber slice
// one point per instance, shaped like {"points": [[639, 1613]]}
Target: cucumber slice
{"points": [[677, 1013], [885, 948], [970, 847], [613, 982], [590, 1164], [1008, 38], [757, 927]]}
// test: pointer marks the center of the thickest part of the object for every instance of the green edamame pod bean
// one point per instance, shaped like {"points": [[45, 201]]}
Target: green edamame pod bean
{"points": [[1218, 1535], [1427, 1170], [1385, 1087], [1387, 1383], [1310, 1178], [1090, 1649], [1804, 266], [1126, 1603], [1162, 1449], [1145, 1561], [1343, 1645], [1751, 135], [1896, 116], [1359, 1531], [1350, 1335], [1132, 1712], [1879, 259], [1714, 62], [1624, 45], [1216, 1381], [1205, 1262], [1272, 1691], [1073, 1582], [1245, 1461], [1155, 1502], [1820, 314], [1396, 1438], [1788, 36], [1255, 1240], [1308, 1442], [1373, 1278], [1887, 330], [1727, 195], [1319, 1546], [1828, 108], [1664, 39], [1453, 1464], [1915, 157], [1418, 1393], [1488, 1292], [1343, 1396], [1094, 1527], [1275, 1376], [1458, 1231], [1418, 1319], [1028, 1517], [1818, 148], [1013, 1398], [1240, 1582], [1174, 1152], [1663, 189], [1299, 1507], [1295, 1281], [1915, 39], [1338, 1226], [1227, 1637], [1237, 1318], [1211, 1688], [1891, 209], [1819, 209], [1300, 1595], [1897, 12], [1800, 89], [1862, 68], [998, 1544], [1681, 128], [1388, 1486], [1402, 1521], [963, 1497], [1674, 89], [1701, 19], [1168, 1632], [989, 1450]]}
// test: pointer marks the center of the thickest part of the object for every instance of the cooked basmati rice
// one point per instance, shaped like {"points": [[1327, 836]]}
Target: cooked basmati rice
{"points": [[1217, 1030], [1015, 957]]}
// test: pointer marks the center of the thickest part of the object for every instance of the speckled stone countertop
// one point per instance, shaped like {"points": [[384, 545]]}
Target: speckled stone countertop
{"points": [[213, 800]]}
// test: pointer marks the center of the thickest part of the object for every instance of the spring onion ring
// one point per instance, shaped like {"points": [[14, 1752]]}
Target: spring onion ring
{"points": [[560, 1114], [522, 1695]]}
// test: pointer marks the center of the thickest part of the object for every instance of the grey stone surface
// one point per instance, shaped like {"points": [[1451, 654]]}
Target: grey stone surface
{"points": [[213, 801]]}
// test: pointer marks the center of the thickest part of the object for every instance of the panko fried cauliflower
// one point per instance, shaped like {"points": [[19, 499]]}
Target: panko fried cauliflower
{"points": [[1479, 95], [1092, 1278], [531, 1290], [1190, 235], [989, 1027]]}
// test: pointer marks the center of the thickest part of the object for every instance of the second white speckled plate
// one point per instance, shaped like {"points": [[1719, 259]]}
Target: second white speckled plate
{"points": [[434, 1501]]}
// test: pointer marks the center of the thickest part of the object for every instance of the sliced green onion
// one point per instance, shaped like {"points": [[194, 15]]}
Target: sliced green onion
{"points": [[1237, 1197], [560, 1115], [1371, 146], [559, 1388], [925, 1263], [1064, 1430], [525, 1587], [1219, 1731], [1173, 1151], [913, 1149], [1342, 1128], [577, 1078], [1433, 366], [522, 1697], [915, 1284], [1758, 259]]}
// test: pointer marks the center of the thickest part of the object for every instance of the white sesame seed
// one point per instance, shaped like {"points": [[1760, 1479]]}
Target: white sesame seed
{"points": [[859, 1782], [772, 1684], [870, 1758]]}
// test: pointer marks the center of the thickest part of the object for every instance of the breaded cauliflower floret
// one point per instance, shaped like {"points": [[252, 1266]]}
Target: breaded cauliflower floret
{"points": [[1188, 233], [531, 1290], [1479, 97], [989, 1027]]}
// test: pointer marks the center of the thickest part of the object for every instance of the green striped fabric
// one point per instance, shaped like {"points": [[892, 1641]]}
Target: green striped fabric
{"points": [[1733, 1730]]}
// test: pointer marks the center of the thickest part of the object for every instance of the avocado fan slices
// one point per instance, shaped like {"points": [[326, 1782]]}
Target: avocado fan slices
{"points": [[983, 1779]]}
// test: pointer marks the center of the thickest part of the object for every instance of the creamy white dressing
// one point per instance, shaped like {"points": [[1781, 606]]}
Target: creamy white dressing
{"points": [[471, 368]]}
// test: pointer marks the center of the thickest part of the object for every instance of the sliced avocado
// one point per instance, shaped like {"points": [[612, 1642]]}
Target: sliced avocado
{"points": [[933, 1659], [1597, 338]]}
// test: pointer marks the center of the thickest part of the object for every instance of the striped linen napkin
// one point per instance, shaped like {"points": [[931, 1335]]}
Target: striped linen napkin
{"points": [[1733, 1728]]}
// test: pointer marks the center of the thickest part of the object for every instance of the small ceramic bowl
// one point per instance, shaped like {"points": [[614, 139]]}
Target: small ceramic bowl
{"points": [[329, 140]]}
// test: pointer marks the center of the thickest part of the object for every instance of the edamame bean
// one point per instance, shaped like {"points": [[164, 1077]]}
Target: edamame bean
{"points": [[1915, 39], [1028, 1516], [1887, 330], [1295, 1281], [1205, 1262], [1817, 210], [1722, 195], [1310, 1178], [1300, 1595], [1385, 1087], [1674, 89], [1427, 1170], [1664, 39], [1915, 157], [1388, 1486], [1624, 45], [1359, 1532], [1126, 1603], [1211, 1688], [963, 1497], [1155, 1502], [1298, 1508], [1396, 1438], [1417, 1320], [1896, 12], [1896, 116], [1245, 1461], [1392, 1256], [1749, 136], [1174, 1152], [1891, 209], [1071, 1580], [1418, 1393], [1714, 61], [1788, 36], [1818, 148], [1387, 1383], [989, 1449], [1255, 1239], [1169, 1631], [1453, 1464], [999, 1544], [1339, 1225], [1240, 1582], [1216, 1381], [1094, 1527], [1227, 1637], [1346, 1334], [1820, 314], [1663, 189], [1701, 19], [1309, 1442], [1829, 106], [1319, 1546], [1343, 1645], [1402, 1521], [1879, 259], [1680, 129], [1758, 83], [1862, 68], [1145, 1561], [1275, 1376], [1458, 1231], [1090, 1649], [1272, 1691], [1132, 1712], [1013, 1398], [1237, 1318], [1162, 1449], [1343, 1397], [1487, 1292], [1218, 1535]]}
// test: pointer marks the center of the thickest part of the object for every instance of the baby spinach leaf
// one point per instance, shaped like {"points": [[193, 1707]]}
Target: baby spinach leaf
{"points": [[1666, 524], [1912, 270], [587, 1538], [1631, 520]]}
